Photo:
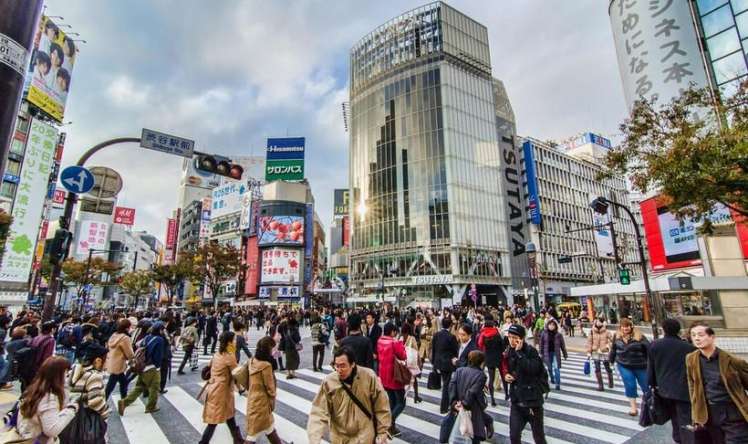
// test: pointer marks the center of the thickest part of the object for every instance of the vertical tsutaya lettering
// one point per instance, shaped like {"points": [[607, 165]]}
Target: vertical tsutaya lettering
{"points": [[514, 201]]}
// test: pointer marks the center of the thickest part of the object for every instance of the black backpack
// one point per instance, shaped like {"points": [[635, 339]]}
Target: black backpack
{"points": [[23, 365]]}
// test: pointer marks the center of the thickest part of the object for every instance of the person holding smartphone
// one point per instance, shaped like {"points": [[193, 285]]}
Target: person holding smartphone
{"points": [[529, 382]]}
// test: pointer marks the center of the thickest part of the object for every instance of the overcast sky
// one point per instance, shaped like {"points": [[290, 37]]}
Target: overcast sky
{"points": [[230, 73]]}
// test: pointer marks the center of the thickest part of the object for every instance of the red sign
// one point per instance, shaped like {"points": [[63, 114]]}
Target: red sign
{"points": [[671, 245], [253, 267], [124, 216], [171, 234], [59, 197], [346, 231], [741, 227]]}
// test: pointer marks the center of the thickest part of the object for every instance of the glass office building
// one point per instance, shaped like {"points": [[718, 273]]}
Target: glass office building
{"points": [[724, 27], [427, 205]]}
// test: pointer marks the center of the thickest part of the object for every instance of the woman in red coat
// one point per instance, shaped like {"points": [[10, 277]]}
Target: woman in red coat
{"points": [[389, 349]]}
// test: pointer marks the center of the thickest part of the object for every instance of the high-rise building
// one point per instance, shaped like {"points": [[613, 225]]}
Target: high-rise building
{"points": [[428, 207]]}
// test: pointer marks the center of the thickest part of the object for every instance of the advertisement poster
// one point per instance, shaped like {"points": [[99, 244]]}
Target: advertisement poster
{"points": [[341, 202], [281, 230], [205, 214], [253, 267], [27, 211], [281, 266], [93, 236], [124, 216], [309, 247], [346, 231], [670, 244], [59, 197], [227, 199], [603, 235], [51, 69], [284, 159], [533, 200]]}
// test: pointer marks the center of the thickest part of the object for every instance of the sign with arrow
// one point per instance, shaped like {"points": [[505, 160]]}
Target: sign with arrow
{"points": [[77, 179]]}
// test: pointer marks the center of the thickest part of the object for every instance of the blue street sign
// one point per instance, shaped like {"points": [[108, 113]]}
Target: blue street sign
{"points": [[77, 179]]}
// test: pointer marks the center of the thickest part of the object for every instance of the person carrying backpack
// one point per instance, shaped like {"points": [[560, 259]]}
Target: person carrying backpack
{"points": [[147, 363], [20, 357], [67, 340], [529, 383]]}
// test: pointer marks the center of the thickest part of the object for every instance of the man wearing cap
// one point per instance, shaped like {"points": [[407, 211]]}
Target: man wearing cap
{"points": [[529, 382]]}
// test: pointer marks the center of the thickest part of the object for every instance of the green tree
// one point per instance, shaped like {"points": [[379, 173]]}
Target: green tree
{"points": [[693, 151], [215, 263], [82, 273], [172, 275], [137, 283]]}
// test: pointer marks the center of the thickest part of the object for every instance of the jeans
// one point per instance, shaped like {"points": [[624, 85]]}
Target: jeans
{"points": [[149, 381], [397, 402], [112, 381], [554, 371], [632, 376], [518, 419], [318, 356], [4, 368]]}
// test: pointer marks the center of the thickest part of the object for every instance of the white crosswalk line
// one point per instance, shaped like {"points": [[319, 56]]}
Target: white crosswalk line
{"points": [[140, 426], [192, 411]]}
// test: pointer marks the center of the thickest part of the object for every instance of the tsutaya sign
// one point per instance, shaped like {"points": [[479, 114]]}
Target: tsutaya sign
{"points": [[437, 279]]}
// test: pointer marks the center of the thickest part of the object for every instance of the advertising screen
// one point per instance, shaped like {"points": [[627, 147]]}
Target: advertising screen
{"points": [[93, 236], [670, 244], [533, 199], [280, 266], [253, 264], [603, 236], [51, 69], [280, 230]]}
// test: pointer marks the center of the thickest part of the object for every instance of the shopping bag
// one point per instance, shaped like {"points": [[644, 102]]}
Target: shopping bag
{"points": [[87, 427], [462, 431], [241, 376], [434, 382], [587, 367]]}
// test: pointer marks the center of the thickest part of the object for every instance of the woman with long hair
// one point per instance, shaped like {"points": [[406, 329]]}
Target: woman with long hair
{"points": [[219, 400], [427, 334], [261, 394], [629, 351], [291, 345], [411, 349], [598, 347], [44, 411], [120, 351]]}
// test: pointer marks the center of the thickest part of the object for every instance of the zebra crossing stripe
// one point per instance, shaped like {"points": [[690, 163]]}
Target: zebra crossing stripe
{"points": [[192, 410], [140, 426]]}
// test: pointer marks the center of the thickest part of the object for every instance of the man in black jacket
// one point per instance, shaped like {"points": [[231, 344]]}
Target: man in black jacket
{"points": [[211, 333], [467, 344], [444, 351], [529, 382], [666, 371], [373, 332], [360, 344]]}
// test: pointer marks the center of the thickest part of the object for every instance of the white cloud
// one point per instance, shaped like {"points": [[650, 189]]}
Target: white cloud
{"points": [[123, 92]]}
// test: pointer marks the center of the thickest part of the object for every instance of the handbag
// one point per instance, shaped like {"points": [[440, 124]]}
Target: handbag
{"points": [[11, 436], [587, 367], [194, 358], [241, 376], [434, 381], [402, 374], [694, 434], [645, 417], [657, 410], [86, 427], [205, 372]]}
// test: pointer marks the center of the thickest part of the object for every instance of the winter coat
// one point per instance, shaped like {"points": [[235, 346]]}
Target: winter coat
{"points": [[291, 337], [374, 333], [219, 403], [559, 346], [333, 408], [120, 351], [389, 349], [598, 340], [466, 386], [319, 333], [427, 334], [529, 372], [189, 336], [462, 359], [444, 347], [666, 369], [734, 372], [362, 350], [89, 382], [241, 345], [492, 344], [632, 354], [260, 397]]}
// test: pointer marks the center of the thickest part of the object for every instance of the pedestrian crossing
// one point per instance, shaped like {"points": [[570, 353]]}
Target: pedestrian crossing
{"points": [[576, 414]]}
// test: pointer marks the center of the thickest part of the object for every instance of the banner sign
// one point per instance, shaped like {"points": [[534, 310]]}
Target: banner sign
{"points": [[309, 246], [227, 199], [341, 202], [533, 199], [603, 235], [284, 159], [51, 69], [92, 236], [30, 195], [253, 266], [285, 148], [205, 215], [171, 233], [59, 197], [124, 216], [346, 231], [290, 170], [281, 230], [281, 266]]}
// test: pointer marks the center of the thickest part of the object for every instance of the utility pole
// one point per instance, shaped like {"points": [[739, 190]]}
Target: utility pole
{"points": [[18, 24]]}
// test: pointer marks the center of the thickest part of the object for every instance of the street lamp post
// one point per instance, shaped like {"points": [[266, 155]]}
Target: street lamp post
{"points": [[532, 257], [600, 205]]}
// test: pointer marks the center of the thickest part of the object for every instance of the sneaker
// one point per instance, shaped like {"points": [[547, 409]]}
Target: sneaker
{"points": [[152, 410], [558, 387], [121, 407], [163, 391]]}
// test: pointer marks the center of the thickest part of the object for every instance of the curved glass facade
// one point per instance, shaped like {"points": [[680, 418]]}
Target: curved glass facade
{"points": [[724, 25], [425, 175]]}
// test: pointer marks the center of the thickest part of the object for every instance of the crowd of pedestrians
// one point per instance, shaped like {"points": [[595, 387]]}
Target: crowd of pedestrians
{"points": [[377, 358]]}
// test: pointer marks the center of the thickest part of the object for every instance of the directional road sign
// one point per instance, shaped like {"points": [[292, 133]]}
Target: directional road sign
{"points": [[77, 179], [166, 143]]}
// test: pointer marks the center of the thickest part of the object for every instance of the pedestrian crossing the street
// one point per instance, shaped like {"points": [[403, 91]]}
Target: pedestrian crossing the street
{"points": [[576, 414]]}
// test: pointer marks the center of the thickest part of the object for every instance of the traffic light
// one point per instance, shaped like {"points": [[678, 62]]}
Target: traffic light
{"points": [[222, 166], [624, 276], [60, 245]]}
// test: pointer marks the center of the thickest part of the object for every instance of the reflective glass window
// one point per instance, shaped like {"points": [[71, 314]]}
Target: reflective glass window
{"points": [[717, 21], [709, 5], [729, 67], [739, 5], [742, 21], [722, 44]]}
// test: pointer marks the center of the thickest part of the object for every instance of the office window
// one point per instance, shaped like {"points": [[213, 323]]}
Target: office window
{"points": [[8, 190], [724, 43], [739, 5], [709, 5], [717, 21], [742, 21], [729, 67]]}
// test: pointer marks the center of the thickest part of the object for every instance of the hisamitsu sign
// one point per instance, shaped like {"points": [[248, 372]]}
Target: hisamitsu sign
{"points": [[285, 148], [166, 143]]}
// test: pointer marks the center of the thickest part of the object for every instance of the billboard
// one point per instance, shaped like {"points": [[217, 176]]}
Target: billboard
{"points": [[657, 48], [603, 235], [124, 216], [227, 199], [588, 138], [346, 231], [92, 236], [533, 199], [671, 244], [341, 202], [285, 159], [30, 195], [205, 214], [197, 178], [171, 237], [280, 266], [280, 230], [253, 264], [309, 247], [51, 69], [59, 197]]}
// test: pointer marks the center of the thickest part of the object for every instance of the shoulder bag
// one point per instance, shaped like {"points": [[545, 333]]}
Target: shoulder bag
{"points": [[360, 405]]}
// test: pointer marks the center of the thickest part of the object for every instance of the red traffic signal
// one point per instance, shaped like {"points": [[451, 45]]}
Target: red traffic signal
{"points": [[219, 165]]}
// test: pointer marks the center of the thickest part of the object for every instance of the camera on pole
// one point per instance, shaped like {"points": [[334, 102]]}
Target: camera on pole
{"points": [[222, 166]]}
